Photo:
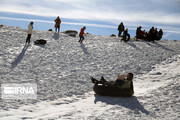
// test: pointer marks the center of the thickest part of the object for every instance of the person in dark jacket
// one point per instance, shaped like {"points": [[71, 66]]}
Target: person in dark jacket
{"points": [[151, 36], [160, 33], [30, 30], [126, 36], [81, 34], [120, 29], [156, 34], [57, 24], [138, 30]]}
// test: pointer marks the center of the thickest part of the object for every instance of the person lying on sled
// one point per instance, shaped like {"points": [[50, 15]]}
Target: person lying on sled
{"points": [[121, 81]]}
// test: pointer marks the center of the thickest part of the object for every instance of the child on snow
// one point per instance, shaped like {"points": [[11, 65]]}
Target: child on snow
{"points": [[81, 34], [30, 29]]}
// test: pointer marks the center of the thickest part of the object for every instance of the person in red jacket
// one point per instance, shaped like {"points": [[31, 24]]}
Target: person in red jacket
{"points": [[81, 34]]}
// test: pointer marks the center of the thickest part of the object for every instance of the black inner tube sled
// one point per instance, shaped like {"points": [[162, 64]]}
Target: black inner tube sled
{"points": [[112, 91], [41, 42]]}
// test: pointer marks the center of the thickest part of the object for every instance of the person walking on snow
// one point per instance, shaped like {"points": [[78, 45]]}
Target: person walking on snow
{"points": [[57, 24], [30, 30], [81, 34]]}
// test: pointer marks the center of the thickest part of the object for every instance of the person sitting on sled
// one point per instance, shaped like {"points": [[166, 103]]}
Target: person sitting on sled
{"points": [[121, 82], [81, 34]]}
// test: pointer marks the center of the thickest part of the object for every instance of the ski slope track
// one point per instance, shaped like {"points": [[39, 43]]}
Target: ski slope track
{"points": [[62, 69]]}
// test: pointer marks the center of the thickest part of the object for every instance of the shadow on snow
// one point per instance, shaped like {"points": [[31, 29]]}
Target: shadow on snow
{"points": [[84, 49], [130, 103], [56, 36], [19, 57], [132, 45]]}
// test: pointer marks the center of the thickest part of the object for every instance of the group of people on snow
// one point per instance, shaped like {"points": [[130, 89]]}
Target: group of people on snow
{"points": [[57, 27], [152, 35], [126, 35]]}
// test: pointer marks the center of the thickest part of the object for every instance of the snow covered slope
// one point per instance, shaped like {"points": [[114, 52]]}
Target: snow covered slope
{"points": [[62, 69]]}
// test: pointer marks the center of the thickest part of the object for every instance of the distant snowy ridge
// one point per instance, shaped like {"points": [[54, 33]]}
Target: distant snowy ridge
{"points": [[62, 69]]}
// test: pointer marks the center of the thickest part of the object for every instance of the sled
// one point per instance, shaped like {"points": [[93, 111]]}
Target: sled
{"points": [[41, 42], [113, 91], [71, 33]]}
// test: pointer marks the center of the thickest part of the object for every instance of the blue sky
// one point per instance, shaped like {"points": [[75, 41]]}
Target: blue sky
{"points": [[106, 13]]}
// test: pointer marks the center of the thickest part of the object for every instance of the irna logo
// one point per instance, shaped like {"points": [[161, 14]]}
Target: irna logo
{"points": [[19, 91]]}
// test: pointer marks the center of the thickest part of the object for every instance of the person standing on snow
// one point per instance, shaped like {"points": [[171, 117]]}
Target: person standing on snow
{"points": [[120, 29], [160, 33], [81, 34], [30, 30], [57, 24]]}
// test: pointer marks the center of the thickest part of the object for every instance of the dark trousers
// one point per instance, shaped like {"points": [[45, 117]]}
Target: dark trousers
{"points": [[119, 35], [58, 27], [81, 39], [28, 38]]}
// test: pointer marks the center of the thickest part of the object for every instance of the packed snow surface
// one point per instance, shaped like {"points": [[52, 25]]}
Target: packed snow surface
{"points": [[62, 69]]}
